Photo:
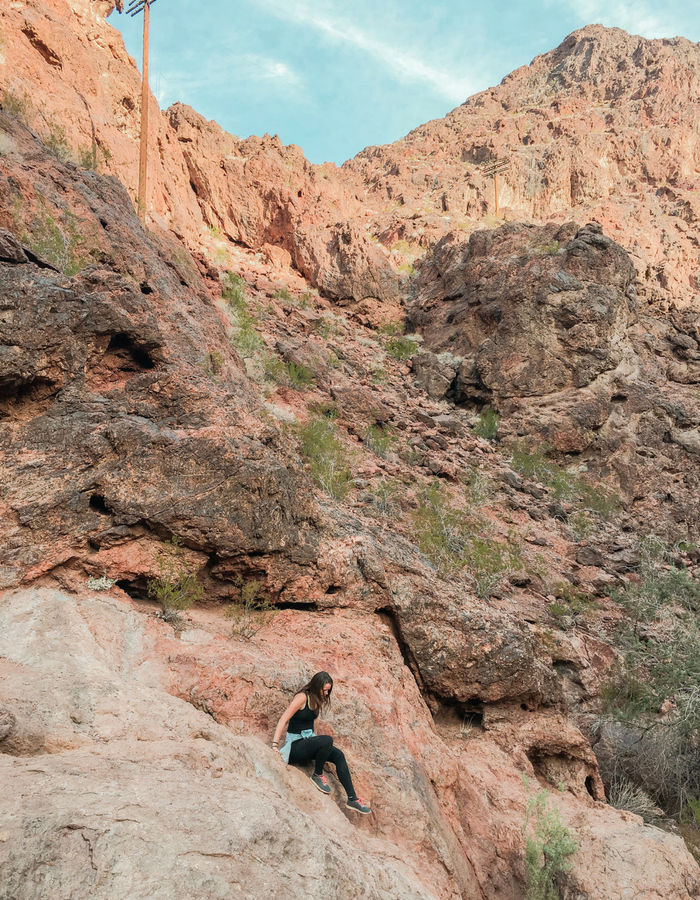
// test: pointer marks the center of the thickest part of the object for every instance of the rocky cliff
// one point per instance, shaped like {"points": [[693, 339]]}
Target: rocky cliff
{"points": [[234, 377]]}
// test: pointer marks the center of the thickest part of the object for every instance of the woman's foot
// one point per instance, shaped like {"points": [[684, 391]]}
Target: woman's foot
{"points": [[359, 805], [321, 783]]}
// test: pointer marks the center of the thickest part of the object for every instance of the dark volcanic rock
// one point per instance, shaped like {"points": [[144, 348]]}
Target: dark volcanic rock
{"points": [[530, 312], [550, 334], [111, 416]]}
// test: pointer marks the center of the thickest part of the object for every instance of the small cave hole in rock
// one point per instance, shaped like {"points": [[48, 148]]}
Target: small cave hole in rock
{"points": [[136, 588], [123, 348], [453, 715], [618, 398], [98, 503], [333, 589], [301, 607], [590, 786], [32, 398], [146, 288]]}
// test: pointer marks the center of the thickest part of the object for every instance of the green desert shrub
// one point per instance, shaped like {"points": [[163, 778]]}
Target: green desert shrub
{"points": [[454, 538], [549, 844], [440, 528], [386, 497], [391, 329], [56, 142], [401, 348], [289, 374], [176, 587], [299, 376], [379, 441], [572, 603], [326, 458], [488, 562], [660, 643], [531, 463], [487, 424], [563, 485], [18, 105], [251, 612], [94, 156], [283, 295], [244, 336]]}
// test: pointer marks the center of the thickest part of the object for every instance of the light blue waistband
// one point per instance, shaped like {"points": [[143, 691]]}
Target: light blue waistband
{"points": [[287, 746]]}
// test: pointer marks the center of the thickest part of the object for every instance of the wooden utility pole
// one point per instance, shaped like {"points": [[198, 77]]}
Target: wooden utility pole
{"points": [[134, 8], [493, 169]]}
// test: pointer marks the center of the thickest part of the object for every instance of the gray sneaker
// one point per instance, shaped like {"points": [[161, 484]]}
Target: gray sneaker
{"points": [[359, 805], [321, 783]]}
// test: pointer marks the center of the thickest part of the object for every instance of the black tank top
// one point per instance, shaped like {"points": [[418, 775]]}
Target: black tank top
{"points": [[303, 719]]}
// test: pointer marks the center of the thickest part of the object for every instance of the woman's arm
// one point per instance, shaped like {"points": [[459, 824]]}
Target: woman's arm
{"points": [[297, 703]]}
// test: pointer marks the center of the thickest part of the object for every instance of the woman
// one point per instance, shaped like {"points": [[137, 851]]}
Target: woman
{"points": [[302, 745]]}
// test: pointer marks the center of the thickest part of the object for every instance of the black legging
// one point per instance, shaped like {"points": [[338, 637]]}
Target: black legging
{"points": [[320, 749]]}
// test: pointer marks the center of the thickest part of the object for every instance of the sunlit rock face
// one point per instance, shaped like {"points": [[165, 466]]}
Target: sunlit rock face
{"points": [[131, 412]]}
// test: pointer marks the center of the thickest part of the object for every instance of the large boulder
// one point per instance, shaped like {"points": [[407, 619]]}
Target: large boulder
{"points": [[531, 310]]}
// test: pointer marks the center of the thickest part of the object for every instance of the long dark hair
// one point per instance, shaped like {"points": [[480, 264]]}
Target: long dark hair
{"points": [[314, 690]]}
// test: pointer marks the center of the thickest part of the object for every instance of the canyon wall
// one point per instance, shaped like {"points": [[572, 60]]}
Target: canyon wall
{"points": [[132, 412]]}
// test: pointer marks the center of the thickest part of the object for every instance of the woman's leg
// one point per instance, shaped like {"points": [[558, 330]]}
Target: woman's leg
{"points": [[337, 757], [316, 748]]}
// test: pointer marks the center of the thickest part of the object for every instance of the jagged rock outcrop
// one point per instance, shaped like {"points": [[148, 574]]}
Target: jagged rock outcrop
{"points": [[530, 311], [121, 385], [544, 324], [256, 192], [607, 122]]}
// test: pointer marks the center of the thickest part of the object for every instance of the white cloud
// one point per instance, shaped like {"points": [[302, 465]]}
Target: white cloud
{"points": [[220, 69], [403, 65]]}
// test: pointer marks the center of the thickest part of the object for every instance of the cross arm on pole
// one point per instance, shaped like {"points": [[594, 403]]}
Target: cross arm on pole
{"points": [[492, 169], [137, 6]]}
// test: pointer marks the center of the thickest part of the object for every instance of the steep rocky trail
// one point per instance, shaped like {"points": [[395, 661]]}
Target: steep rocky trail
{"points": [[237, 376]]}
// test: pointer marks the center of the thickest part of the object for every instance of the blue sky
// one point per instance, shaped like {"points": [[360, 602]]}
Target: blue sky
{"points": [[335, 76]]}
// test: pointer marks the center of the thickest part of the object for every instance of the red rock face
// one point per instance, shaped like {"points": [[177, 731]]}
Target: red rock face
{"points": [[127, 416], [605, 126], [175, 402], [544, 324]]}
